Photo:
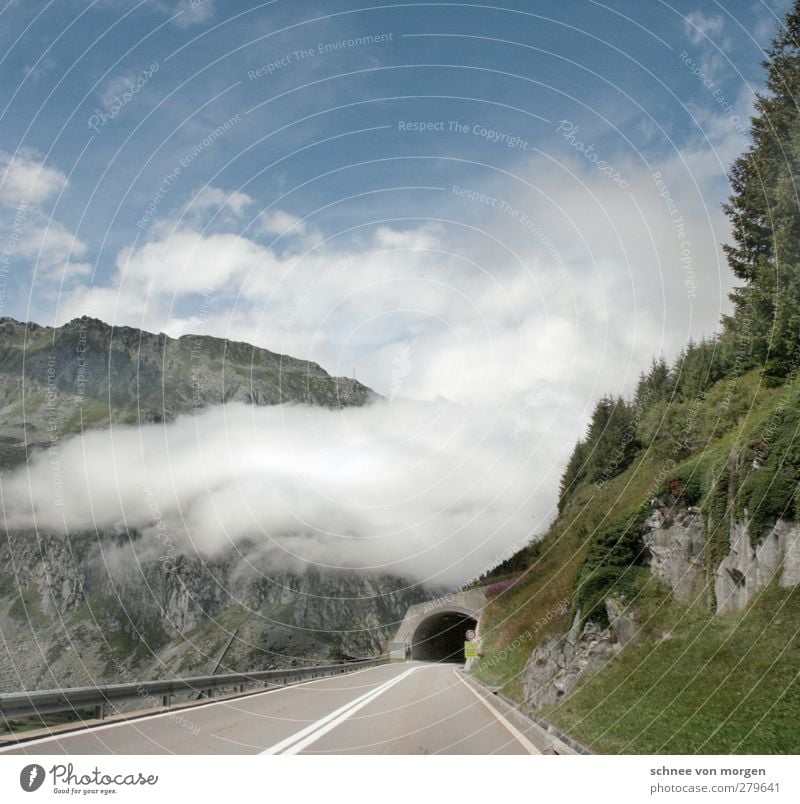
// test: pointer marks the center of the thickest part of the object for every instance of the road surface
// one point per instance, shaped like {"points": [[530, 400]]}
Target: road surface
{"points": [[407, 708]]}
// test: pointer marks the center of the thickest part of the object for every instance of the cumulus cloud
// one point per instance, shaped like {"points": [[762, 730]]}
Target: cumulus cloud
{"points": [[278, 222], [700, 27], [218, 202], [430, 491], [186, 262], [32, 234], [23, 178], [569, 284], [51, 247]]}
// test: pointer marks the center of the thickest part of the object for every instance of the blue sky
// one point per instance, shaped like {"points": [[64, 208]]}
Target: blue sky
{"points": [[317, 135], [508, 209], [612, 69]]}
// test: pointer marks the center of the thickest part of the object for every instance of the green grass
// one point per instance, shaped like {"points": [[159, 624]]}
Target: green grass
{"points": [[706, 685], [534, 607], [722, 685], [27, 607], [103, 622], [23, 725]]}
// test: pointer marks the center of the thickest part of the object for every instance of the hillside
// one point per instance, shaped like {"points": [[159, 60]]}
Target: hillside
{"points": [[101, 606], [85, 374], [660, 611]]}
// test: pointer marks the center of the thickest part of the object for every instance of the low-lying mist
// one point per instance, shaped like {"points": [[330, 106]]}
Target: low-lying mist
{"points": [[431, 491]]}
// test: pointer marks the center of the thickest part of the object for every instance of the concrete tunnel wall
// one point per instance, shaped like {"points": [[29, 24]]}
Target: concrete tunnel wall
{"points": [[450, 617]]}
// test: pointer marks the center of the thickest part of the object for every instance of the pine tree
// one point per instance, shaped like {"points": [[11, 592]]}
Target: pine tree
{"points": [[653, 387], [574, 474], [610, 446], [764, 210], [696, 369]]}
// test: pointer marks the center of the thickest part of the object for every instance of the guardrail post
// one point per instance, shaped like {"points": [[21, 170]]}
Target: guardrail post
{"points": [[166, 700], [100, 712]]}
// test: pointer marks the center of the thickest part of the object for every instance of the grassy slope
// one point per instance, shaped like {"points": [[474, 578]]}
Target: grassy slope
{"points": [[735, 668], [727, 685]]}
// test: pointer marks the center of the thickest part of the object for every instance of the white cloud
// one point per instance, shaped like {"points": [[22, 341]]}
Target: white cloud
{"points": [[278, 222], [580, 302], [23, 178], [700, 27], [192, 12], [51, 251], [433, 491], [50, 247], [187, 262], [218, 202], [512, 325]]}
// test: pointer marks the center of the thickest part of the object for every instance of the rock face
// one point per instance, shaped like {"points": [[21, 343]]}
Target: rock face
{"points": [[55, 382], [623, 620], [83, 610], [676, 542], [747, 569], [555, 667]]}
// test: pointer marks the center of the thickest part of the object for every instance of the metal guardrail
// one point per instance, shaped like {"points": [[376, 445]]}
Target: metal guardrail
{"points": [[17, 705]]}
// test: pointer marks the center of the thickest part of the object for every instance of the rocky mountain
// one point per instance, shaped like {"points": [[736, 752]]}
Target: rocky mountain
{"points": [[89, 607], [669, 593], [58, 381]]}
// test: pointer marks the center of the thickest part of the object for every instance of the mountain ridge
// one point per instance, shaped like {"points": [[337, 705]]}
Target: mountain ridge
{"points": [[84, 607], [59, 381]]}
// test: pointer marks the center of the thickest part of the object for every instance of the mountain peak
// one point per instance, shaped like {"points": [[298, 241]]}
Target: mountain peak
{"points": [[56, 381]]}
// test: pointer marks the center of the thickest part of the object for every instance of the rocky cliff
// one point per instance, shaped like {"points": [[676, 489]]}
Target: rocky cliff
{"points": [[88, 608], [557, 665], [59, 381], [676, 540], [93, 607]]}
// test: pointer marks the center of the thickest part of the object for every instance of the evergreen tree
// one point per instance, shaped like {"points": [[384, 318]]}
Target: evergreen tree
{"points": [[609, 448], [764, 210], [653, 387], [574, 474], [696, 369]]}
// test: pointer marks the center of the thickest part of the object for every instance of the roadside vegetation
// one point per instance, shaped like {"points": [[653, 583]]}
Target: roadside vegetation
{"points": [[717, 430]]}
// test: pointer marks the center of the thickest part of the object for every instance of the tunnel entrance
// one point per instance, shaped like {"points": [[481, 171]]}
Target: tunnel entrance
{"points": [[440, 637]]}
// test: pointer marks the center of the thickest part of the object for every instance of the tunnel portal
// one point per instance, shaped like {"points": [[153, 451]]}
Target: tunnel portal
{"points": [[441, 637]]}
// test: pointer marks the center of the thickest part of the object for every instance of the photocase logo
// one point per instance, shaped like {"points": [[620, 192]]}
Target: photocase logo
{"points": [[31, 778]]}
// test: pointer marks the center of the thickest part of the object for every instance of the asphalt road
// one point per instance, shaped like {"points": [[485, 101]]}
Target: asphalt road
{"points": [[408, 708]]}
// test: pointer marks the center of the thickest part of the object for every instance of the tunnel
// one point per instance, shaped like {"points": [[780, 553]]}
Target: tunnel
{"points": [[441, 637]]}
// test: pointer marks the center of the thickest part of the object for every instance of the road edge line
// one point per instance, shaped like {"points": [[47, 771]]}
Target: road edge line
{"points": [[510, 727], [561, 743]]}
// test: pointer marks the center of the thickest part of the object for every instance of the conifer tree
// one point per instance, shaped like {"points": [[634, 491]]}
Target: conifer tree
{"points": [[764, 210]]}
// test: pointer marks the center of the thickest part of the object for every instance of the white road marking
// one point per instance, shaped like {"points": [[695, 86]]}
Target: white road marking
{"points": [[310, 734], [518, 735], [178, 711]]}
